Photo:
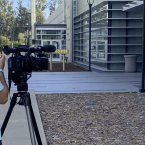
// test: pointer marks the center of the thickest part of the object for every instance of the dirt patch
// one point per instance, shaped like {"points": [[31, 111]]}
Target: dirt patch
{"points": [[69, 67]]}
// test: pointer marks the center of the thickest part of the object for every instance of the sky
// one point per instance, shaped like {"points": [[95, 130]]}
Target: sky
{"points": [[25, 2]]}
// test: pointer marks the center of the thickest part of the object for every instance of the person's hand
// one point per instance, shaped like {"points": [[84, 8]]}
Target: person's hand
{"points": [[2, 60]]}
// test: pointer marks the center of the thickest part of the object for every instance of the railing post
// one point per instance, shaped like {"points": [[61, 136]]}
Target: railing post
{"points": [[63, 62], [50, 62]]}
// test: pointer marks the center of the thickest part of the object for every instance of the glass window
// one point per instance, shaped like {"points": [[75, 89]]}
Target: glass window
{"points": [[51, 31], [38, 31], [74, 3], [51, 37], [63, 37], [38, 36], [63, 32], [63, 47], [38, 42], [63, 42]]}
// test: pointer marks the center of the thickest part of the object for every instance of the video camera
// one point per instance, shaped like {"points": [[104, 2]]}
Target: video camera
{"points": [[20, 66], [27, 63]]}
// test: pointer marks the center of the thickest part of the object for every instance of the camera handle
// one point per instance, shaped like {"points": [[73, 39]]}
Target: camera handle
{"points": [[25, 96]]}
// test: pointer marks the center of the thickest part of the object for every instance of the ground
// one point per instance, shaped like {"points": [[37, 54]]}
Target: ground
{"points": [[69, 67], [92, 118]]}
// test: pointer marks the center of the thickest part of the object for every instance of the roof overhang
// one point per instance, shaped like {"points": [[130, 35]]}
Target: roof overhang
{"points": [[134, 6], [50, 25]]}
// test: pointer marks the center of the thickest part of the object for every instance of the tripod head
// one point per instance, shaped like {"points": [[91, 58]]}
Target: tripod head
{"points": [[20, 80]]}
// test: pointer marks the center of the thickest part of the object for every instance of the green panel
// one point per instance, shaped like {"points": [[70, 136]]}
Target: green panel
{"points": [[134, 31], [139, 57], [134, 49], [118, 5], [134, 22], [117, 40], [118, 31], [118, 66], [139, 67], [118, 49], [117, 57], [134, 40], [135, 15], [118, 14], [118, 23]]}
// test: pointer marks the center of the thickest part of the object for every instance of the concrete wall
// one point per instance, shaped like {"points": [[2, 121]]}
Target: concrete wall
{"points": [[33, 18], [69, 28], [82, 5], [56, 17]]}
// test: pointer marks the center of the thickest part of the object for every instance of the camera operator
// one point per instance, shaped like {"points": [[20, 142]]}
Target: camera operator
{"points": [[3, 85]]}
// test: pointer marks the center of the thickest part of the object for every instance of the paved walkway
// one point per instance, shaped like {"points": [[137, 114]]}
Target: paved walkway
{"points": [[83, 82], [17, 132]]}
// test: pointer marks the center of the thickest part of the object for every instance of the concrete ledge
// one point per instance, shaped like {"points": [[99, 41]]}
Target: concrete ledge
{"points": [[17, 131]]}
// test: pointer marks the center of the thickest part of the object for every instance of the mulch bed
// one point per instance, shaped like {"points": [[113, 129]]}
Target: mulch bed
{"points": [[69, 67], [93, 118]]}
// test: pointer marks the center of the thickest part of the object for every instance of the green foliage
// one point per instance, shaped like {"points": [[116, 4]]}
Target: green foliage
{"points": [[52, 6], [16, 44], [21, 38], [7, 15], [4, 39], [40, 15], [60, 1]]}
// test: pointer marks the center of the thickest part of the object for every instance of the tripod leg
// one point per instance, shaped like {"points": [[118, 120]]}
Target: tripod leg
{"points": [[29, 119], [12, 104], [35, 125]]}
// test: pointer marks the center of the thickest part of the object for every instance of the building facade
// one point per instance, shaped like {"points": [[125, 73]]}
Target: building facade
{"points": [[115, 32], [51, 34]]}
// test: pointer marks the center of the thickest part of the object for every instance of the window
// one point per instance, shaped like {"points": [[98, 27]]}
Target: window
{"points": [[38, 31], [51, 31]]}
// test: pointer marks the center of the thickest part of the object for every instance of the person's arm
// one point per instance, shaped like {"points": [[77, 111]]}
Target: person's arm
{"points": [[5, 90]]}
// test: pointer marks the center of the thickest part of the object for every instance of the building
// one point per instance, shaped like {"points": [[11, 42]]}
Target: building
{"points": [[115, 32]]}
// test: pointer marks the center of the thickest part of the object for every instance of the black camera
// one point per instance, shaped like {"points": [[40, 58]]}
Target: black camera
{"points": [[28, 63], [20, 63], [20, 66]]}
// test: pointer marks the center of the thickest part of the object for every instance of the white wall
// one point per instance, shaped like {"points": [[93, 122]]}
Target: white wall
{"points": [[82, 5], [57, 17]]}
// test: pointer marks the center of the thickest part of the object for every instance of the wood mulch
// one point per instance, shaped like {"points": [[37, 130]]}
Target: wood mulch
{"points": [[93, 118], [69, 67]]}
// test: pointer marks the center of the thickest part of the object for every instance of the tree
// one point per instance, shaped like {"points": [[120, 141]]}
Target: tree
{"points": [[40, 16], [52, 6], [60, 1], [21, 38], [7, 14], [21, 17]]}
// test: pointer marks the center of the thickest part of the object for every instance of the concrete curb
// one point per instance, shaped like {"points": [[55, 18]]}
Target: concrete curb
{"points": [[17, 131]]}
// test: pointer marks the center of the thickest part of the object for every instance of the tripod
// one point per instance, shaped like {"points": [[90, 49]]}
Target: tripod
{"points": [[26, 101]]}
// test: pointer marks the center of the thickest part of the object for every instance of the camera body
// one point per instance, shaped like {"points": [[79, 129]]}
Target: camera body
{"points": [[20, 63], [21, 66]]}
